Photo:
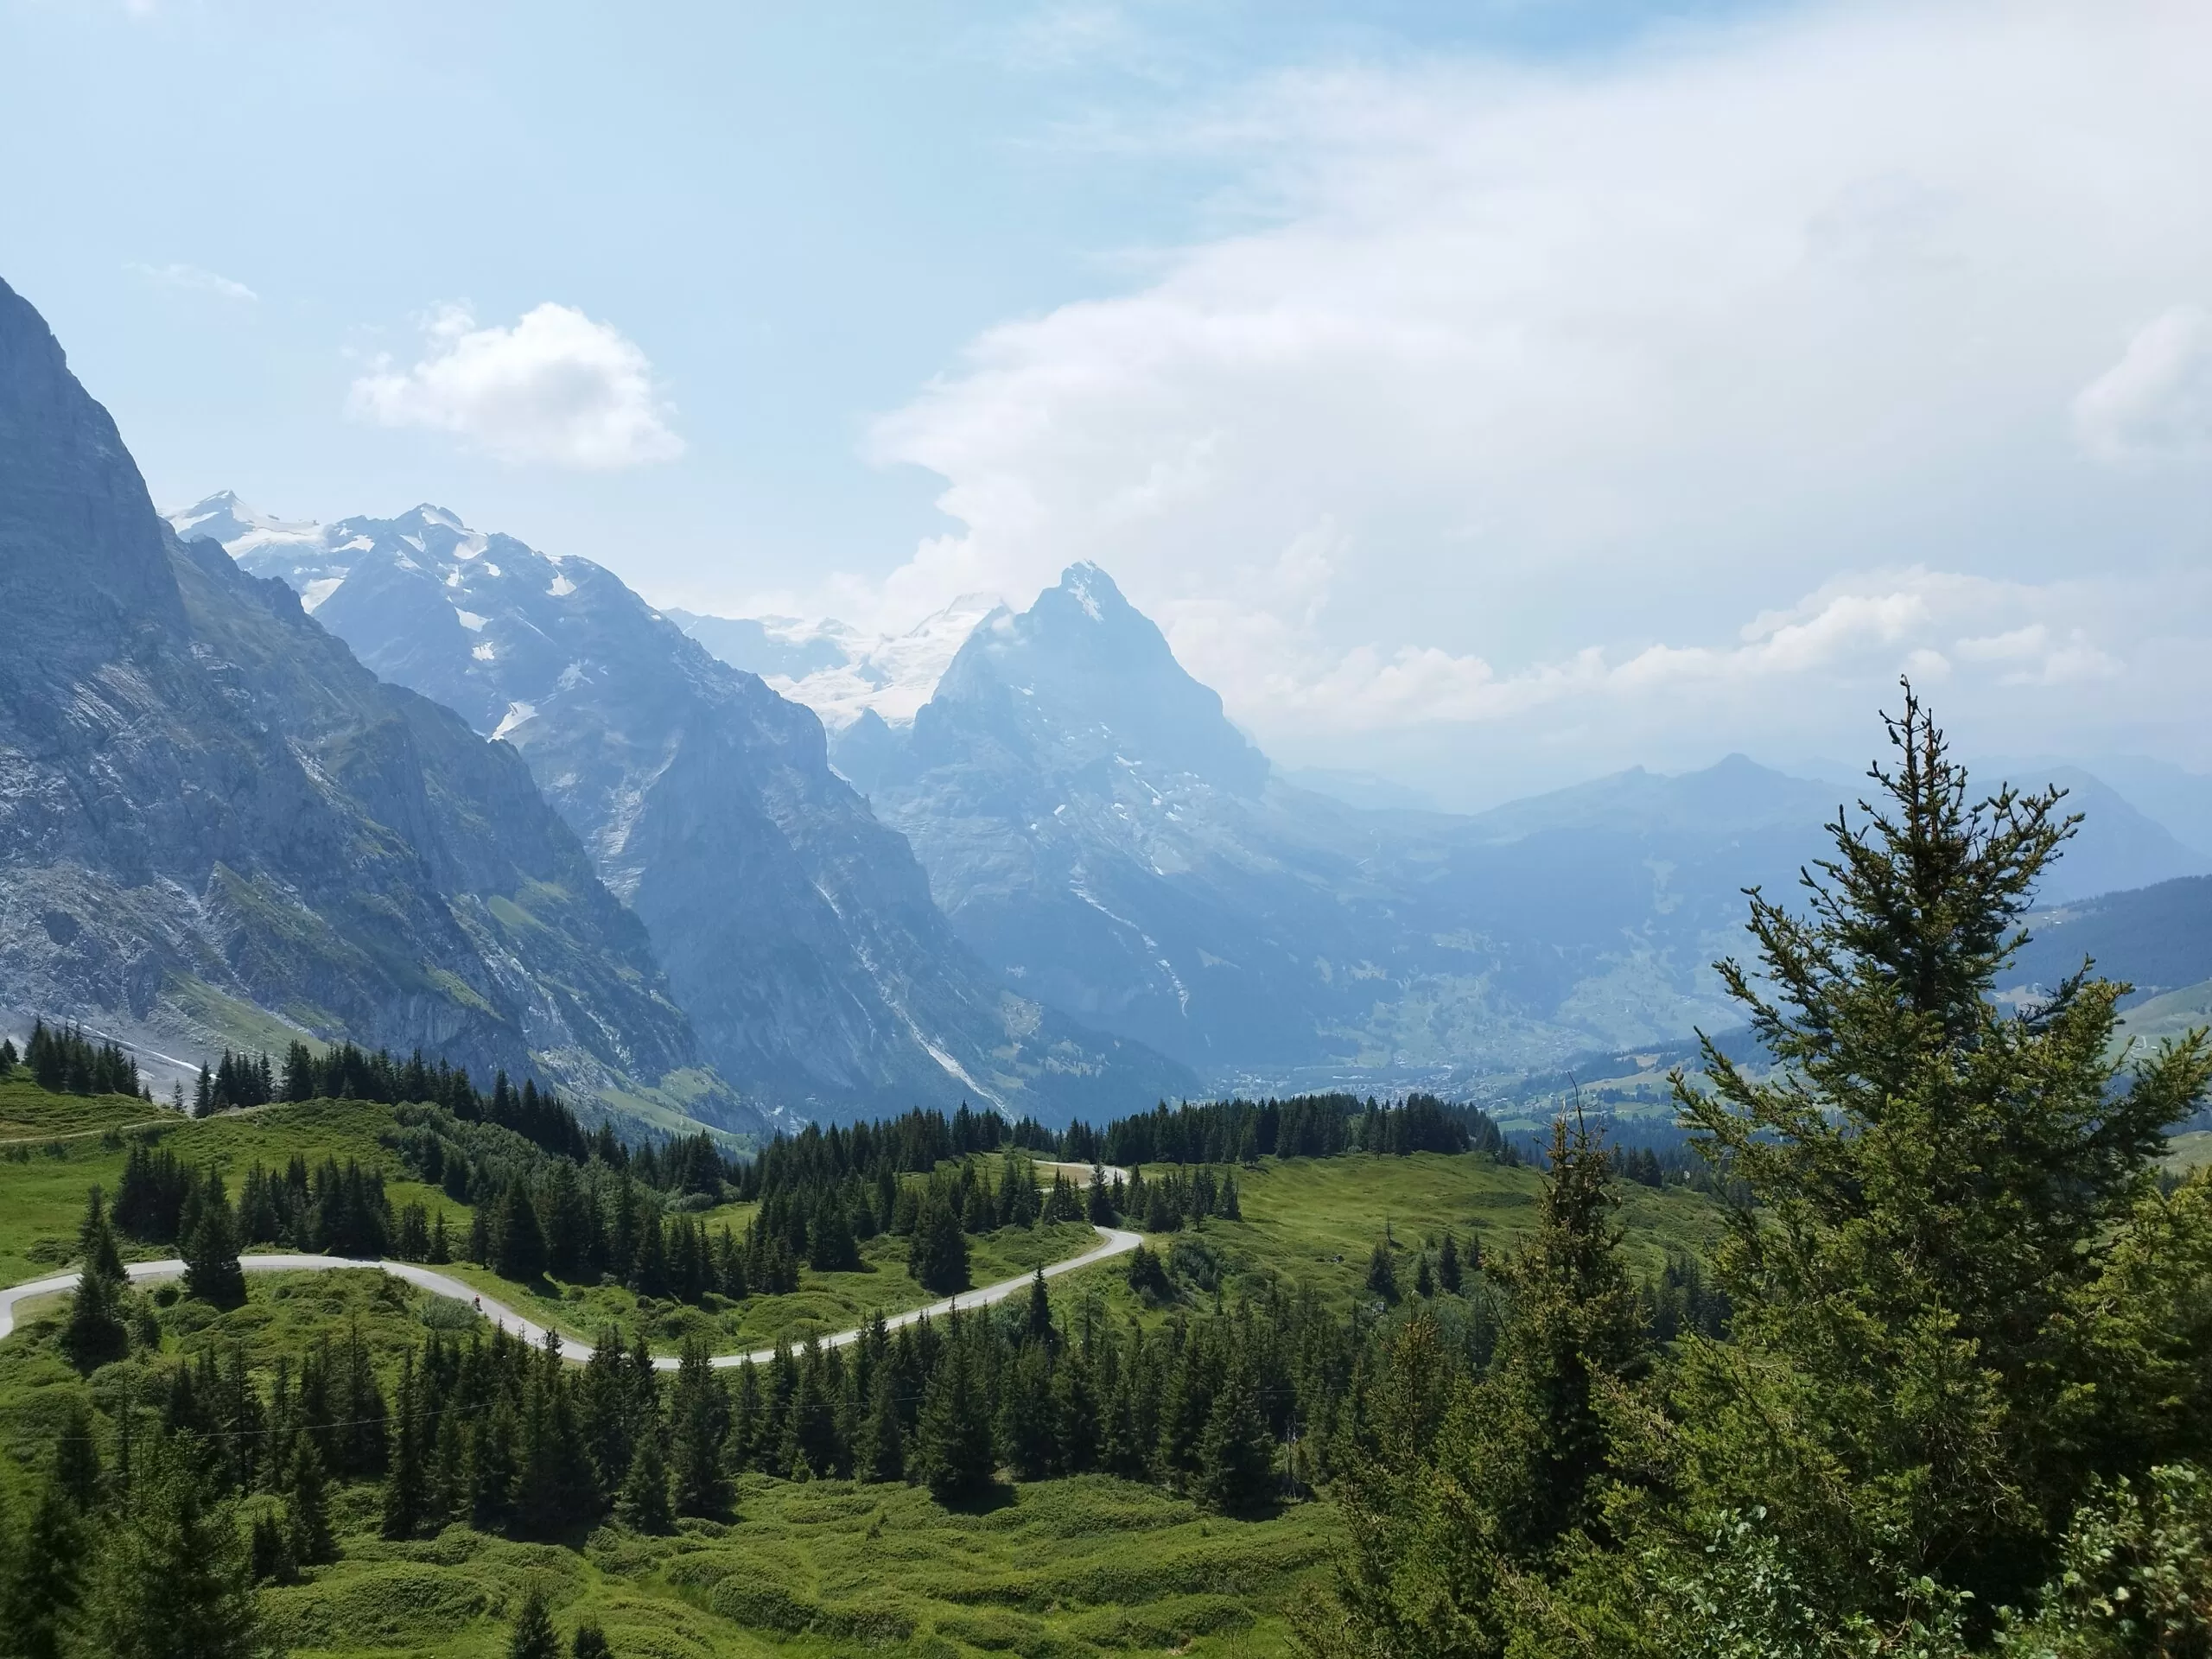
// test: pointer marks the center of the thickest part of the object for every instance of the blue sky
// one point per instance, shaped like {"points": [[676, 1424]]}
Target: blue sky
{"points": [[1501, 393]]}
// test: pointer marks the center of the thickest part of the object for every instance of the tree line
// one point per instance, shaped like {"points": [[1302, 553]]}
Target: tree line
{"points": [[62, 1060]]}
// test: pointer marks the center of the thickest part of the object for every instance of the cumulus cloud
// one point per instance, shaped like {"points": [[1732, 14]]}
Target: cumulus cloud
{"points": [[1534, 379], [2155, 403], [195, 280], [556, 388]]}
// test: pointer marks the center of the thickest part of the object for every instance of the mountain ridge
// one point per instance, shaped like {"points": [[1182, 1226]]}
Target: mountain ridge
{"points": [[797, 930]]}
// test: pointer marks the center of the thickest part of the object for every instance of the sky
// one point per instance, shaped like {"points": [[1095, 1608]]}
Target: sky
{"points": [[1485, 396]]}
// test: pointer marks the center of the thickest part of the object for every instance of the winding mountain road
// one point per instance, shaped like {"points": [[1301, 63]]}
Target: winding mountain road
{"points": [[1115, 1241]]}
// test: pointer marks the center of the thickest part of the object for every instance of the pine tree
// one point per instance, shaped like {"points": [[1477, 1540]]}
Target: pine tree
{"points": [[77, 1457], [699, 1412], [1922, 1358], [406, 1492], [937, 1254], [590, 1643], [953, 1438], [519, 1240], [533, 1637], [212, 1273], [1424, 1280], [881, 1452], [307, 1505], [644, 1502], [1236, 1453], [1383, 1273], [1448, 1276], [94, 1333], [42, 1587], [173, 1576]]}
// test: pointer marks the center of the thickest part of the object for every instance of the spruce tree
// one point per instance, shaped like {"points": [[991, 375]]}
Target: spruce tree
{"points": [[937, 1254], [1922, 1358], [406, 1491], [212, 1273], [43, 1587], [175, 1575], [533, 1637], [307, 1505], [699, 1414], [1383, 1273], [1473, 1487], [881, 1452], [1024, 1424], [77, 1456], [519, 1240], [953, 1438], [1236, 1453], [94, 1333], [1448, 1277], [589, 1642], [644, 1502]]}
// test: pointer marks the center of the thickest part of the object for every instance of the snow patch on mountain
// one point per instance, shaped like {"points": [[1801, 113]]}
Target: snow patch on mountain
{"points": [[840, 672]]}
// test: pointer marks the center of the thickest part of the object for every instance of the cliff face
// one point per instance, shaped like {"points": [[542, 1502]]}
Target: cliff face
{"points": [[216, 824], [797, 930]]}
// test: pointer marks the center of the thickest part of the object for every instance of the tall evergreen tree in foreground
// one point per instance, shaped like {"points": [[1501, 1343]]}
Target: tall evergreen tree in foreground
{"points": [[1929, 1365]]}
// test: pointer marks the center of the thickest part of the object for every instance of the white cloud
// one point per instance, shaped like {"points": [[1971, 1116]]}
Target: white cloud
{"points": [[195, 280], [2155, 403], [1578, 365], [556, 388]]}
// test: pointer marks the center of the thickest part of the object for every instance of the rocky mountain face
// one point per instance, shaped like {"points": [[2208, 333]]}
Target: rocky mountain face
{"points": [[796, 930], [1100, 832], [216, 825]]}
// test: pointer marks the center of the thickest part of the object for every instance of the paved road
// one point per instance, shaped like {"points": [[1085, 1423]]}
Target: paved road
{"points": [[1114, 1242]]}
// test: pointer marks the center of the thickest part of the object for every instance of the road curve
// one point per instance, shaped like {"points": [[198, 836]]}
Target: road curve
{"points": [[1115, 1241]]}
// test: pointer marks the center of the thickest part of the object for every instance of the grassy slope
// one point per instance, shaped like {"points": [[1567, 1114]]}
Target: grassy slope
{"points": [[1067, 1567], [42, 1199]]}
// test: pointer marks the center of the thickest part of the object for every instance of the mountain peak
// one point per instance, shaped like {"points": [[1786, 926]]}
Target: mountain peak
{"points": [[1092, 677]]}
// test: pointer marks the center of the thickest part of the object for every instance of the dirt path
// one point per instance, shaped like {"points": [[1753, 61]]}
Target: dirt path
{"points": [[1114, 1242]]}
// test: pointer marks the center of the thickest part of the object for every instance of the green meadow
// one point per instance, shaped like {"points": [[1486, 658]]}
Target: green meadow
{"points": [[1079, 1565]]}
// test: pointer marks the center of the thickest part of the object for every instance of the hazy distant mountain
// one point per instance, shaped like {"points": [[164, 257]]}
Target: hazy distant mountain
{"points": [[217, 826], [2157, 939], [2178, 800], [1099, 830], [796, 930]]}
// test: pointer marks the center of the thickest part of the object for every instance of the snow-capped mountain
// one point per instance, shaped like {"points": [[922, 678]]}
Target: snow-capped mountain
{"points": [[797, 931], [839, 671]]}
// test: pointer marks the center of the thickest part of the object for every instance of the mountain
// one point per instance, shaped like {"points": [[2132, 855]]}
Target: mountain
{"points": [[1103, 834], [839, 671], [797, 931], [2158, 938], [216, 825]]}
